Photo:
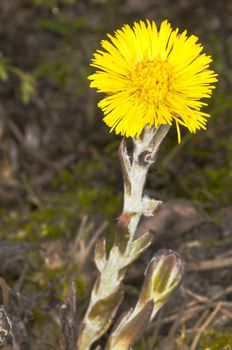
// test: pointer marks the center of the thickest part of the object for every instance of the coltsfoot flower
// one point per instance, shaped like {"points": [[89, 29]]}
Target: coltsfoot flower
{"points": [[152, 77]]}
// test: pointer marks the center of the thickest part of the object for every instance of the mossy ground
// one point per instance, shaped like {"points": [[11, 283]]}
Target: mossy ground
{"points": [[49, 114]]}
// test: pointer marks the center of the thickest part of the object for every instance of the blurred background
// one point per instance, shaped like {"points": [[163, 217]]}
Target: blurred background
{"points": [[60, 180]]}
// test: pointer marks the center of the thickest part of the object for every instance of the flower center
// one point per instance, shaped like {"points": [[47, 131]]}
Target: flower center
{"points": [[151, 81]]}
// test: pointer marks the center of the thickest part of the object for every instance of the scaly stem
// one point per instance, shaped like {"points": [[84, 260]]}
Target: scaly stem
{"points": [[144, 154], [107, 293]]}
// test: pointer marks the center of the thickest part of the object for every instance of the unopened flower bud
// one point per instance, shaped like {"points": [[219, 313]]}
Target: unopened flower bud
{"points": [[163, 276]]}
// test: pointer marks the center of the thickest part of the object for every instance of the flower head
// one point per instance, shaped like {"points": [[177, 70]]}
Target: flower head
{"points": [[152, 77]]}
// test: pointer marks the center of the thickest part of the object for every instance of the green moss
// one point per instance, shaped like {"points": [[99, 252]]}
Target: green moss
{"points": [[79, 191], [80, 287], [216, 243], [211, 182], [216, 340], [53, 3], [48, 222], [63, 25], [44, 328], [219, 182]]}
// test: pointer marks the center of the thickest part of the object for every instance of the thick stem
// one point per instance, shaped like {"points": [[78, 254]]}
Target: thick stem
{"points": [[145, 151], [108, 291]]}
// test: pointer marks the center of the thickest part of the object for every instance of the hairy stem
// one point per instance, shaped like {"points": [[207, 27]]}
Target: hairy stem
{"points": [[107, 293]]}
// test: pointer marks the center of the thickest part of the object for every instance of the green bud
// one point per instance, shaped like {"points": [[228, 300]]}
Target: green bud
{"points": [[130, 328], [162, 277]]}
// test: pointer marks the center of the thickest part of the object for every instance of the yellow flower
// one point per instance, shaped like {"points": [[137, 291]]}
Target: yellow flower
{"points": [[152, 77]]}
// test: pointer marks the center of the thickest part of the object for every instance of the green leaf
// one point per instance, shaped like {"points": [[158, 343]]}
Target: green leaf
{"points": [[27, 84], [3, 69], [27, 88], [63, 25], [137, 247]]}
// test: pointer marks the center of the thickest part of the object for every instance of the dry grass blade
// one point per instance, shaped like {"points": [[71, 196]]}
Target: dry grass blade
{"points": [[209, 265], [69, 321], [83, 247], [222, 293], [204, 326], [5, 292], [169, 342]]}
